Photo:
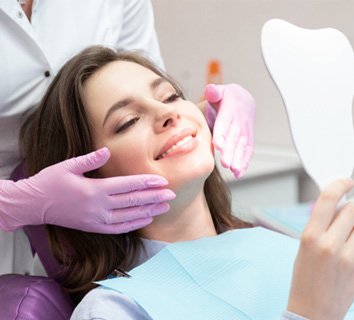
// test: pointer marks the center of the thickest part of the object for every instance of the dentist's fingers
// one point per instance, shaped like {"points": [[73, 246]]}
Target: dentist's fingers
{"points": [[238, 161], [210, 115], [222, 127], [136, 213], [139, 198], [250, 145], [247, 156], [126, 227], [247, 159], [230, 147], [124, 184], [325, 207], [236, 108]]}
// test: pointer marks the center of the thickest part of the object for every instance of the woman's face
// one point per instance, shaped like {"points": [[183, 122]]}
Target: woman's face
{"points": [[147, 127]]}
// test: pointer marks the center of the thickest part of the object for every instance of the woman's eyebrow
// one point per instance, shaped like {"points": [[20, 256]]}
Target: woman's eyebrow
{"points": [[115, 106], [154, 84], [123, 103]]}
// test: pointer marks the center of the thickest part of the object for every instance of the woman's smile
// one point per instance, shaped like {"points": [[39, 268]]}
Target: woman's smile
{"points": [[179, 143]]}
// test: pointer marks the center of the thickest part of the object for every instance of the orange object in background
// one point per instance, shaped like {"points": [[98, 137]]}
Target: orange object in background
{"points": [[214, 72]]}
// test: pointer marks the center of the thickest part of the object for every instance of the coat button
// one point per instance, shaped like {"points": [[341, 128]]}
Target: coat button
{"points": [[47, 74]]}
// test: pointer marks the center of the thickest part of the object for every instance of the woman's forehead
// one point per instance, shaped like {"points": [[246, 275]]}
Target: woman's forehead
{"points": [[123, 75], [124, 71]]}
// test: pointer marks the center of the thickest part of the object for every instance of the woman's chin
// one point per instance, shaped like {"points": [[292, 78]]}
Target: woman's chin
{"points": [[193, 175]]}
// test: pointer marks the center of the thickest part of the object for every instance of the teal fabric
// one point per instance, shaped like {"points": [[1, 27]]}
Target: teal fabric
{"points": [[241, 274], [290, 220]]}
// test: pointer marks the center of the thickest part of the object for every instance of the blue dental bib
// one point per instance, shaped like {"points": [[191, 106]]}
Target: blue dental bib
{"points": [[241, 274]]}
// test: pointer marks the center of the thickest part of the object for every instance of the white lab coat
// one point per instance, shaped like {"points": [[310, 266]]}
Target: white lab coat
{"points": [[32, 53]]}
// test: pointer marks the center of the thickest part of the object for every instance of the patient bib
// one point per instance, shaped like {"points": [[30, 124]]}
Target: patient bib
{"points": [[241, 274]]}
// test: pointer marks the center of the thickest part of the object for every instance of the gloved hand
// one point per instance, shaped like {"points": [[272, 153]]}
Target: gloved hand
{"points": [[230, 111], [62, 195]]}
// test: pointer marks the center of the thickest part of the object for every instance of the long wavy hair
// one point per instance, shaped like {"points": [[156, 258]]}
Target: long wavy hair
{"points": [[59, 130]]}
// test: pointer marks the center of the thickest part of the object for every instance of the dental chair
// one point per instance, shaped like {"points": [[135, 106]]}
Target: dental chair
{"points": [[32, 298], [24, 297]]}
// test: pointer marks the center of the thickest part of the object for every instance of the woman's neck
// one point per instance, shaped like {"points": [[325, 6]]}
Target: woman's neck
{"points": [[188, 219], [27, 8]]}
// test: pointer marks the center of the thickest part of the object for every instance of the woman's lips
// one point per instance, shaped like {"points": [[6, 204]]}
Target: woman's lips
{"points": [[179, 143]]}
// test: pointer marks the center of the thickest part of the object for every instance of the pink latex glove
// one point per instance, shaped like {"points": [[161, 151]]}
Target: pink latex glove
{"points": [[62, 195], [231, 111]]}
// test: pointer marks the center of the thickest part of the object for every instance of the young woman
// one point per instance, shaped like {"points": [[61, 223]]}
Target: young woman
{"points": [[36, 39], [123, 102]]}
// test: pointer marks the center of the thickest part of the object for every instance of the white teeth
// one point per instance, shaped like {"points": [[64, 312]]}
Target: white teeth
{"points": [[175, 146], [183, 141]]}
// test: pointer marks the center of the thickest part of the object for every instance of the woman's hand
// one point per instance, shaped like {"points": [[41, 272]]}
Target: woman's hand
{"points": [[62, 195], [231, 113], [323, 278]]}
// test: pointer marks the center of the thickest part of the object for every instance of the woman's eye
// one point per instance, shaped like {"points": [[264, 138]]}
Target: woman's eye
{"points": [[127, 124], [172, 98]]}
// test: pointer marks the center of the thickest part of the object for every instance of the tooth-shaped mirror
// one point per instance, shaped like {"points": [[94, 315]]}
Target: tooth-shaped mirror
{"points": [[314, 72]]}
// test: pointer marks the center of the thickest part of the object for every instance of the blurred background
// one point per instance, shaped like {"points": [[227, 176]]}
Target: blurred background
{"points": [[195, 33]]}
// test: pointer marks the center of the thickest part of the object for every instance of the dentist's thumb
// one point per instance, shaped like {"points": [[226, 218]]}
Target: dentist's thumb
{"points": [[87, 162], [214, 93]]}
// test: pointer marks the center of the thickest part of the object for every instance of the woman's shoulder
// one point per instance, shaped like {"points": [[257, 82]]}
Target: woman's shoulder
{"points": [[106, 304]]}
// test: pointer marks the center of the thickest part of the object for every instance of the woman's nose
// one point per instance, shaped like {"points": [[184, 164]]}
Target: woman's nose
{"points": [[166, 117]]}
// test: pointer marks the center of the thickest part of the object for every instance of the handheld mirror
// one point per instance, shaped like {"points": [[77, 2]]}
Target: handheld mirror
{"points": [[314, 72]]}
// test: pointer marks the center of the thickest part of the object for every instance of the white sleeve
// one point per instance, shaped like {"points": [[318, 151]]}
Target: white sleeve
{"points": [[287, 315], [138, 29], [107, 304]]}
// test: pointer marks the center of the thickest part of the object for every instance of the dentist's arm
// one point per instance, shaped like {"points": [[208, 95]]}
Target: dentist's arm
{"points": [[230, 111], [62, 195]]}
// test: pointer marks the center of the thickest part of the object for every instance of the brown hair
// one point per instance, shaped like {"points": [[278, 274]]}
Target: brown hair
{"points": [[59, 130]]}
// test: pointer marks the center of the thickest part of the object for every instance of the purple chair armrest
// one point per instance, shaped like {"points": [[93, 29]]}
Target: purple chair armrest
{"points": [[32, 298]]}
